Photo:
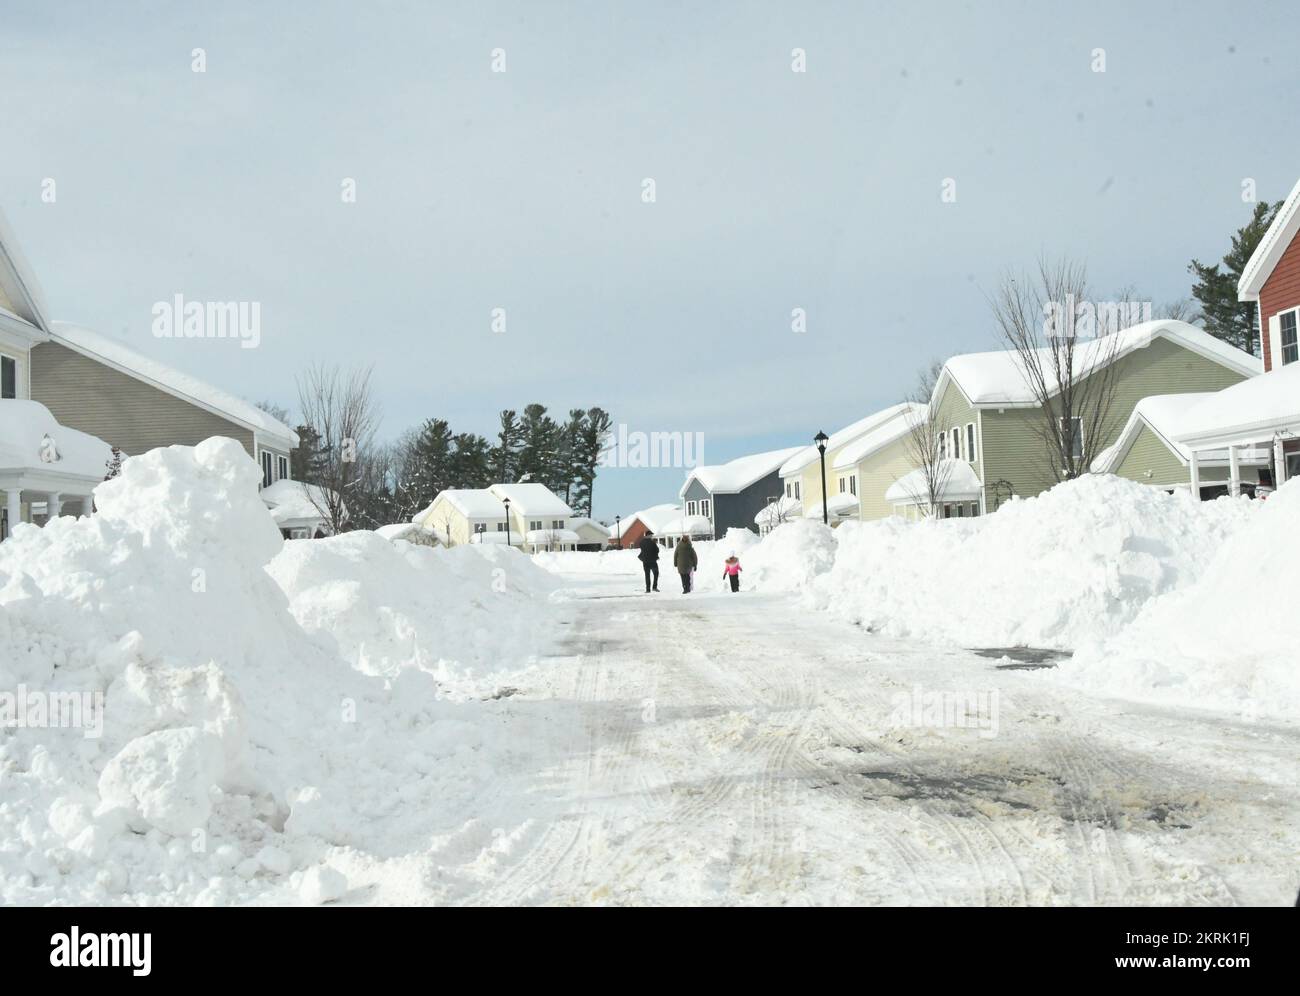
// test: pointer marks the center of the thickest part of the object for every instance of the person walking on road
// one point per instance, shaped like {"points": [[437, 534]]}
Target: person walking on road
{"points": [[684, 559], [649, 557], [731, 571]]}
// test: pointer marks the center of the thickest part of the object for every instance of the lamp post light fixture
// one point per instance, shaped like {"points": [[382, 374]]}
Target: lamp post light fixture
{"points": [[618, 530], [506, 503], [820, 439]]}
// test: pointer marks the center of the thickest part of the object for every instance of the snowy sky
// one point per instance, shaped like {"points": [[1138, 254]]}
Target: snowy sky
{"points": [[523, 190]]}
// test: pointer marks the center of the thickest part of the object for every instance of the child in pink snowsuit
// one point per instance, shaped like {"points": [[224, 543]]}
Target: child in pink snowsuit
{"points": [[731, 570]]}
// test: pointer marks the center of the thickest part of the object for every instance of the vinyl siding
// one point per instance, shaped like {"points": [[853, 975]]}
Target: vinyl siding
{"points": [[1148, 453], [1013, 446], [876, 474], [119, 409], [953, 411]]}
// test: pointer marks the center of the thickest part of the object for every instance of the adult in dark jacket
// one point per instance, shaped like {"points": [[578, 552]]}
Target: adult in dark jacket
{"points": [[684, 559], [649, 557]]}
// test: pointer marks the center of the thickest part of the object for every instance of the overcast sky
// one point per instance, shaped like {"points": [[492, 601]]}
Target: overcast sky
{"points": [[522, 190]]}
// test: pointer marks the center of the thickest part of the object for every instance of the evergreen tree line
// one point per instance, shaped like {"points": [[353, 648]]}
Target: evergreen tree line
{"points": [[396, 480], [1217, 309]]}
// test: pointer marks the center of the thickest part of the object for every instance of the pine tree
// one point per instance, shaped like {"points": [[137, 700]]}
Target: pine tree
{"points": [[470, 463], [431, 461], [538, 433], [1225, 317], [505, 454], [591, 442]]}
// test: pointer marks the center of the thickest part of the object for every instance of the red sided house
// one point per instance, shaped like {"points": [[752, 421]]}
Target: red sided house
{"points": [[1263, 411]]}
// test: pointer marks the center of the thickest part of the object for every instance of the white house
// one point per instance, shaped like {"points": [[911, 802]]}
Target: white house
{"points": [[529, 516]]}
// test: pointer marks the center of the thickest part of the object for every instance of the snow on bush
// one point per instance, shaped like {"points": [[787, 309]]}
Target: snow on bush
{"points": [[233, 746], [1072, 565], [1226, 640]]}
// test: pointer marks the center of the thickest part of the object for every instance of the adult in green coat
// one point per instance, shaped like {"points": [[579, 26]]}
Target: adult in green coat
{"points": [[684, 559]]}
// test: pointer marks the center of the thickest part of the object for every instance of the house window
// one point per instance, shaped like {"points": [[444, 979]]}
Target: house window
{"points": [[283, 467], [1290, 347], [789, 491], [691, 507], [956, 442], [706, 507], [842, 484], [557, 523], [1076, 442], [796, 490], [501, 527], [266, 468], [974, 509], [943, 444], [853, 485], [534, 524], [970, 441], [8, 377]]}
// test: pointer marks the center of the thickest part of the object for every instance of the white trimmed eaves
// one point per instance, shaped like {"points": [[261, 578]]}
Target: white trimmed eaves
{"points": [[1271, 247]]}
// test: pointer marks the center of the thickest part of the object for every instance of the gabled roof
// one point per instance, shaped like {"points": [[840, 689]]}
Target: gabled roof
{"points": [[808, 455], [32, 439], [654, 518], [583, 522], [1165, 415], [1271, 247], [900, 422], [122, 358], [998, 378], [729, 478], [532, 499], [960, 483], [1251, 411], [19, 281], [473, 503]]}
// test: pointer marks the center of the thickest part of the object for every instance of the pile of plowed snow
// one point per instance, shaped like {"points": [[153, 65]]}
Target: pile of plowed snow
{"points": [[1229, 639], [1070, 566], [219, 750], [465, 614]]}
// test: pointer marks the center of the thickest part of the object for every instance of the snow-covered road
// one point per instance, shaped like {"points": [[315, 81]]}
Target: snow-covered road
{"points": [[742, 749]]}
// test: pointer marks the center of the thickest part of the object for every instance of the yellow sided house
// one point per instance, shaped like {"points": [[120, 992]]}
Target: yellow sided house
{"points": [[986, 418], [861, 460]]}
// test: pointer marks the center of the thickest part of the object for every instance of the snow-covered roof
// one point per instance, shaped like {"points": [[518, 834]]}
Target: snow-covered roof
{"points": [[532, 499], [738, 474], [473, 503], [1165, 415], [410, 533], [1251, 411], [900, 422], [959, 484], [121, 357], [32, 439], [295, 503], [686, 525], [998, 378], [654, 518], [580, 522], [838, 505], [1271, 247], [842, 437], [781, 510], [544, 537], [18, 281], [498, 538]]}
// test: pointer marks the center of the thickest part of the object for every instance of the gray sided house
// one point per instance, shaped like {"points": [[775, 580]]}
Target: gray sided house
{"points": [[730, 495]]}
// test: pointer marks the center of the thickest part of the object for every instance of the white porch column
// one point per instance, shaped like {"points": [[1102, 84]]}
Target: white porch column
{"points": [[1195, 468], [1279, 463], [1234, 475], [13, 504], [53, 505]]}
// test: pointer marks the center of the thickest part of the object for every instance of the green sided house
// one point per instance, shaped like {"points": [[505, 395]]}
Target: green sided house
{"points": [[986, 416], [76, 394], [1148, 451]]}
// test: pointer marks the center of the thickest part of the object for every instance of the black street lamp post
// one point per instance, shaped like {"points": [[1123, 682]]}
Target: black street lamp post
{"points": [[506, 503], [618, 530], [820, 439]]}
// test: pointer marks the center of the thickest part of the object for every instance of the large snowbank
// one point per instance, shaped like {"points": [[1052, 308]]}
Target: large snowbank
{"points": [[1227, 640], [461, 613], [236, 751], [1072, 565]]}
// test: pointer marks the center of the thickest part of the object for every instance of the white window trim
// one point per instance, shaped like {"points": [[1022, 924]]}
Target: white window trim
{"points": [[19, 393], [1279, 354], [1083, 455], [968, 442]]}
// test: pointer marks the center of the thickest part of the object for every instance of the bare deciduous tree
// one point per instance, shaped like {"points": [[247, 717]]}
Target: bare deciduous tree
{"points": [[924, 444], [1069, 368], [340, 408]]}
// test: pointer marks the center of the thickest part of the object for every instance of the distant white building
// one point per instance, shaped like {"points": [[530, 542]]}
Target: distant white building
{"points": [[529, 516]]}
